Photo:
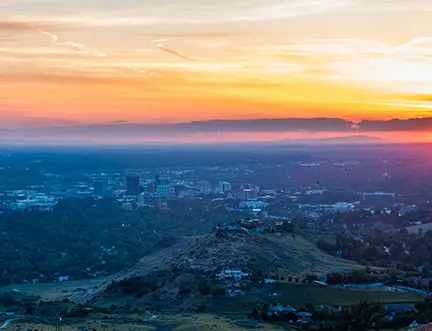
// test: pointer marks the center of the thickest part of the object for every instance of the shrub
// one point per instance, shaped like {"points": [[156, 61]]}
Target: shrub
{"points": [[204, 288], [218, 292], [201, 309]]}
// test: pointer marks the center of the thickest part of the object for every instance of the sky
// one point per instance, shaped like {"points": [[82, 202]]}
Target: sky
{"points": [[143, 61]]}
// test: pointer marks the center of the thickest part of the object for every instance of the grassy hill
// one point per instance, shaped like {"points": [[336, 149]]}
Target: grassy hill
{"points": [[189, 260]]}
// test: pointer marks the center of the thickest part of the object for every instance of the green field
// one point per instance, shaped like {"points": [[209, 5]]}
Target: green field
{"points": [[296, 295], [52, 291], [299, 295], [415, 228], [343, 297]]}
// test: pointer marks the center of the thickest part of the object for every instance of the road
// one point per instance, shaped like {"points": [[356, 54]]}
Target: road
{"points": [[6, 323]]}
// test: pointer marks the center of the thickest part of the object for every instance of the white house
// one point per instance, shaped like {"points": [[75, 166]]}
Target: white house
{"points": [[232, 275]]}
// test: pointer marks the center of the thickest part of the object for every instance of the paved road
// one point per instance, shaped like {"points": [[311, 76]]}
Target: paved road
{"points": [[5, 324]]}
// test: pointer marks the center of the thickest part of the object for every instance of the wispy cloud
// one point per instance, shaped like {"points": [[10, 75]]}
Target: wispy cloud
{"points": [[23, 25], [159, 41], [193, 35], [143, 71], [21, 2], [410, 104], [4, 40], [77, 47], [160, 45], [201, 13], [410, 46], [174, 52]]}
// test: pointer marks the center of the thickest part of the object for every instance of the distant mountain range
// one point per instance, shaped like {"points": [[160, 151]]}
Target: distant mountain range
{"points": [[346, 140], [414, 124], [244, 125], [158, 132]]}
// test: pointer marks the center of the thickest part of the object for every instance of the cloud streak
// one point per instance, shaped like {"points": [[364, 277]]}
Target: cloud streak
{"points": [[160, 45], [77, 47], [24, 26], [407, 47], [5, 40], [181, 55], [193, 35]]}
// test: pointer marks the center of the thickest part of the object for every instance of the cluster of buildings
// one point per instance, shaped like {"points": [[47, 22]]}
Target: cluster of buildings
{"points": [[23, 200], [144, 189], [254, 225], [155, 192]]}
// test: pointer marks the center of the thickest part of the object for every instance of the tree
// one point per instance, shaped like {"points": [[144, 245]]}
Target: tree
{"points": [[255, 313], [184, 291], [335, 278], [264, 311], [201, 309], [366, 314], [218, 292], [360, 277], [30, 310], [204, 288], [310, 308]]}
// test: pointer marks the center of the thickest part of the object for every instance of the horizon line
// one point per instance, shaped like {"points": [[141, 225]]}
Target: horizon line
{"points": [[126, 122]]}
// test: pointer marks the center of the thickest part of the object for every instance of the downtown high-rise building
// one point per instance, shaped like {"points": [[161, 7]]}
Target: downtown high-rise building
{"points": [[101, 188], [163, 186], [224, 187], [132, 185]]}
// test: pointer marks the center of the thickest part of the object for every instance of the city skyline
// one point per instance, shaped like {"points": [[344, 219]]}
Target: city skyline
{"points": [[85, 62]]}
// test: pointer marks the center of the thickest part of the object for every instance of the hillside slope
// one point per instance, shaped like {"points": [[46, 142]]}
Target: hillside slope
{"points": [[206, 255]]}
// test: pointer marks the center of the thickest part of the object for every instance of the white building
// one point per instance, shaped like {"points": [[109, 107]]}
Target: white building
{"points": [[127, 206], [232, 275], [42, 203], [253, 205], [248, 194]]}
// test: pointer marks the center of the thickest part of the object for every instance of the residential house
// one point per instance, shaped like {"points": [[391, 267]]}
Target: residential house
{"points": [[234, 292], [393, 309], [419, 281], [269, 281], [279, 310], [232, 275]]}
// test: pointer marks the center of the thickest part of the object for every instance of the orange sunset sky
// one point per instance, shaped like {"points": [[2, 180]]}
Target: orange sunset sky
{"points": [[98, 61]]}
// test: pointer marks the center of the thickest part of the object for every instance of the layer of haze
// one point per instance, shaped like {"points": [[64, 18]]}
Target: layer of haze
{"points": [[100, 61]]}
